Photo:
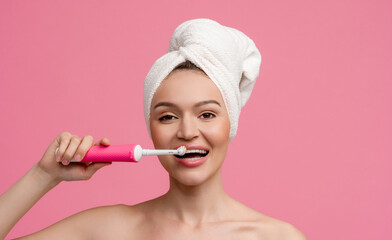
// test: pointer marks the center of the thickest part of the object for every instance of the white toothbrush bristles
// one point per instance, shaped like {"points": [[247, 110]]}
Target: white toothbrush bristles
{"points": [[181, 150]]}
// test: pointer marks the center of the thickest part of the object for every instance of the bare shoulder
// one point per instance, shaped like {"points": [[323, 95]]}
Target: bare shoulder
{"points": [[114, 216], [119, 210], [112, 222], [93, 223], [279, 230], [107, 218], [287, 231], [272, 228], [104, 214], [292, 233]]}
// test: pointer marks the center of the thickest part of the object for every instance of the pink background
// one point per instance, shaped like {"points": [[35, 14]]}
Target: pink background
{"points": [[319, 119]]}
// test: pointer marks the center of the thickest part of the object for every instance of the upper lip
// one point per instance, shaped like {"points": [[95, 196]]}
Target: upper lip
{"points": [[189, 147]]}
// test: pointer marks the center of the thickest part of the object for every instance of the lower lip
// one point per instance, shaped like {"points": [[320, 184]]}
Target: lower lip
{"points": [[192, 163]]}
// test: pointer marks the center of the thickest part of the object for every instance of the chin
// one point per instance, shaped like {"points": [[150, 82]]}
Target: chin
{"points": [[195, 178], [190, 178]]}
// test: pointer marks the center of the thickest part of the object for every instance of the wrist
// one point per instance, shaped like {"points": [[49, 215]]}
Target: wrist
{"points": [[44, 178]]}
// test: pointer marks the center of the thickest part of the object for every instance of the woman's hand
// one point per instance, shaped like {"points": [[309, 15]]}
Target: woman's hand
{"points": [[45, 175], [58, 166]]}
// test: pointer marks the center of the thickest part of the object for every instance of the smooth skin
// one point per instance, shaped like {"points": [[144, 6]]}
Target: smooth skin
{"points": [[195, 206]]}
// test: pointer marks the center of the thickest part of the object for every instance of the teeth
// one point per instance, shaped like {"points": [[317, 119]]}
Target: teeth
{"points": [[195, 151], [190, 151], [190, 159]]}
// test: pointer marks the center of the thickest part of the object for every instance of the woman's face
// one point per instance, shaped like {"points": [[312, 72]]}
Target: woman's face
{"points": [[188, 109]]}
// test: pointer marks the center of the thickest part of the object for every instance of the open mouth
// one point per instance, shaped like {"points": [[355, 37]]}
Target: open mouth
{"points": [[193, 154]]}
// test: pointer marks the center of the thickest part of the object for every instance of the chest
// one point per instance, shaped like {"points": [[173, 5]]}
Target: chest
{"points": [[229, 231]]}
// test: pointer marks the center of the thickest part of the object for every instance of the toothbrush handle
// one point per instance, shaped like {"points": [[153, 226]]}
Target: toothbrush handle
{"points": [[112, 153]]}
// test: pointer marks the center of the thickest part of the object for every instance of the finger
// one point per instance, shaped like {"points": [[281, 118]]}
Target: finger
{"points": [[63, 140], [70, 151], [93, 167], [104, 141], [83, 148]]}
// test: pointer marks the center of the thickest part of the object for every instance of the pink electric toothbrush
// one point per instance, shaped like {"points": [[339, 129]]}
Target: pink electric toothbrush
{"points": [[124, 153]]}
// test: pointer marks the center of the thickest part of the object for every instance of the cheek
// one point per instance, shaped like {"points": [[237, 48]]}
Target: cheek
{"points": [[160, 134], [219, 133]]}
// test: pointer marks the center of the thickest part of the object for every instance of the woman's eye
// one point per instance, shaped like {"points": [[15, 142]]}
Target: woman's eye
{"points": [[166, 118], [208, 115]]}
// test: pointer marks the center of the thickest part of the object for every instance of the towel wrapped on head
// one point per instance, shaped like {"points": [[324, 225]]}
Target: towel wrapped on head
{"points": [[229, 58]]}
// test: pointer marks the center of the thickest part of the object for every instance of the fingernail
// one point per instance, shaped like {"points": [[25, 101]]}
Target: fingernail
{"points": [[78, 157], [58, 159], [65, 162]]}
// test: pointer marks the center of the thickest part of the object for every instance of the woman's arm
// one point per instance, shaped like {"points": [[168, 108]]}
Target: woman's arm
{"points": [[17, 200], [45, 175]]}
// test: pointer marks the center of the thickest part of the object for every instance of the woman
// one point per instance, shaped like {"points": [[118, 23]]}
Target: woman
{"points": [[182, 107]]}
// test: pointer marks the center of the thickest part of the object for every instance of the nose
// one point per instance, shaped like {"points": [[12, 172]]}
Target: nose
{"points": [[188, 128]]}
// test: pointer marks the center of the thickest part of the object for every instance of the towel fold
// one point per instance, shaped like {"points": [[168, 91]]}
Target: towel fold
{"points": [[229, 58]]}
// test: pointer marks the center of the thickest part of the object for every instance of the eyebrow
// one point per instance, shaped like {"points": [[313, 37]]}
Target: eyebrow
{"points": [[169, 104]]}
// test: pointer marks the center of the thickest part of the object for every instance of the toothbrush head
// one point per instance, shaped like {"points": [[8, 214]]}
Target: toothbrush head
{"points": [[181, 150]]}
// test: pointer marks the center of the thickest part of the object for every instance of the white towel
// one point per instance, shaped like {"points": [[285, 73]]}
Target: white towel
{"points": [[229, 57]]}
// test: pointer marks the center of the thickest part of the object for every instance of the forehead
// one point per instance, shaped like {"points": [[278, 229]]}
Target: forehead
{"points": [[186, 87]]}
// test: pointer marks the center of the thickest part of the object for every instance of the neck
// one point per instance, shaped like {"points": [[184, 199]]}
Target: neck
{"points": [[193, 205]]}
